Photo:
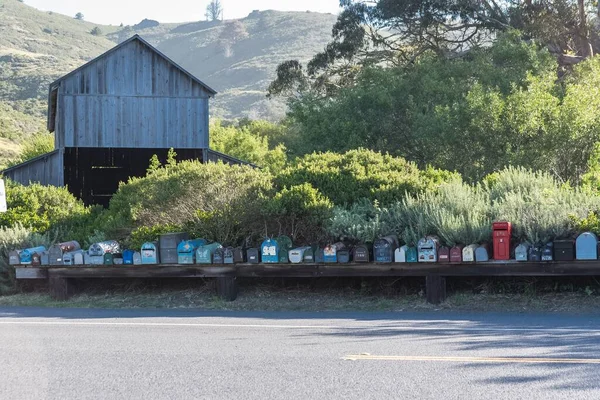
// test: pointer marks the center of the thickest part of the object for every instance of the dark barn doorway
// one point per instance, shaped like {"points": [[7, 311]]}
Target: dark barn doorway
{"points": [[93, 174]]}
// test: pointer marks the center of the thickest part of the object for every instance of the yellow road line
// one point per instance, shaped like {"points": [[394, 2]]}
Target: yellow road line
{"points": [[541, 360]]}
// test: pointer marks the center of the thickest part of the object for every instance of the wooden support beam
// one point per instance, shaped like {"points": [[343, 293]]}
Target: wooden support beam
{"points": [[61, 288], [435, 289], [227, 288]]}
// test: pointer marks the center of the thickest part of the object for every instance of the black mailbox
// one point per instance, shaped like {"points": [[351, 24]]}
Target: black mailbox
{"points": [[362, 253], [384, 249], [239, 255], [535, 253], [547, 252], [253, 256], [309, 255], [564, 250]]}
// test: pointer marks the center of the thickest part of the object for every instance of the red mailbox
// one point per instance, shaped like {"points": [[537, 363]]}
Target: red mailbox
{"points": [[501, 234]]}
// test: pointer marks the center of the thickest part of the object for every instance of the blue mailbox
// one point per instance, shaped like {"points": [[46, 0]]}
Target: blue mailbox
{"points": [[128, 257], [269, 251], [186, 250], [26, 255], [150, 253]]}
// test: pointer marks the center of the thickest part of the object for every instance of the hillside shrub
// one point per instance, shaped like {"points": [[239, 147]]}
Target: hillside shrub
{"points": [[363, 221], [360, 174], [539, 208], [248, 142], [41, 207], [39, 144], [300, 212], [11, 238], [215, 201]]}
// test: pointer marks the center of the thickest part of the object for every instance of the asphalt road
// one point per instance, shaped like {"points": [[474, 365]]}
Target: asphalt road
{"points": [[107, 354]]}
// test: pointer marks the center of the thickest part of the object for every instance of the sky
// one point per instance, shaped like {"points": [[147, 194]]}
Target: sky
{"points": [[130, 12]]}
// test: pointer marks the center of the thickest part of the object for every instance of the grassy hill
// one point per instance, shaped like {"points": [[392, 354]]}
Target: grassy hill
{"points": [[36, 47]]}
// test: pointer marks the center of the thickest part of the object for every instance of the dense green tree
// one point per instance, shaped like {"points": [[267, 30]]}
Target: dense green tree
{"points": [[399, 32], [499, 106], [248, 142]]}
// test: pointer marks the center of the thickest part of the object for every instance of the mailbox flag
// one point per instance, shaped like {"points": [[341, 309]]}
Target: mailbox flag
{"points": [[3, 207]]}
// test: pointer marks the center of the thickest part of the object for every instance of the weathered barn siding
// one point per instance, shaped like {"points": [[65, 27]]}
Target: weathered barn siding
{"points": [[131, 96], [118, 121], [46, 170]]}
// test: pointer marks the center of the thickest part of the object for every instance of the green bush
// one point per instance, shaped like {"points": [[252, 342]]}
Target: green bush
{"points": [[215, 201], [145, 234], [364, 221], [300, 212], [13, 238], [42, 207], [360, 174], [248, 142], [539, 208], [39, 144]]}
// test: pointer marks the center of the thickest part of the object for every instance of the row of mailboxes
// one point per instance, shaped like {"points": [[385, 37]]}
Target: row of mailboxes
{"points": [[279, 251]]}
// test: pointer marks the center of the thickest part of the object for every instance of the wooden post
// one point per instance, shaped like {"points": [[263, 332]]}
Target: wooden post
{"points": [[227, 288], [61, 288], [435, 289]]}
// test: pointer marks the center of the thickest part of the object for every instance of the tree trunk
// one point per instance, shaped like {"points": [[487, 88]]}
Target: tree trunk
{"points": [[586, 50]]}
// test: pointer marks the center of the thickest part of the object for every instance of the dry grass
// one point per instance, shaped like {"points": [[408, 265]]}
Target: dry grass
{"points": [[304, 298]]}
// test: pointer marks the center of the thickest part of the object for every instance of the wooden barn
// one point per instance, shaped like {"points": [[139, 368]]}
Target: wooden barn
{"points": [[112, 114]]}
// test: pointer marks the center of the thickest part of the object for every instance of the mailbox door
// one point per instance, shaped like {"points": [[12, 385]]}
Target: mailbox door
{"points": [[78, 258], [456, 254], [362, 254], [586, 246], [218, 256], [319, 256], [444, 254], [296, 255], [228, 255], [309, 255], [239, 255], [564, 250], [469, 253], [521, 252], [343, 256], [400, 254], [411, 255], [14, 258], [149, 253], [253, 256], [383, 251], [270, 252], [482, 254], [330, 254], [547, 252], [137, 258], [128, 257], [108, 259]]}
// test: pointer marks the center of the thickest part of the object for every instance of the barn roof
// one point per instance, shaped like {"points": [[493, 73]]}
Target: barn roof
{"points": [[154, 49]]}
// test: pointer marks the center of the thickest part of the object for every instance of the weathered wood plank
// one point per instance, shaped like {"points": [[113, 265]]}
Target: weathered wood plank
{"points": [[579, 268], [31, 273]]}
